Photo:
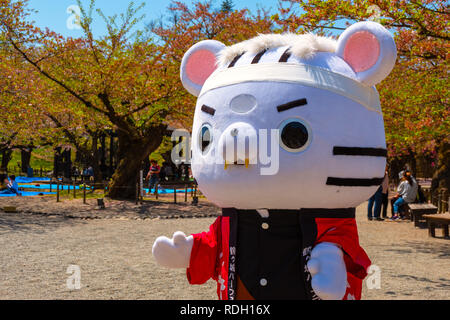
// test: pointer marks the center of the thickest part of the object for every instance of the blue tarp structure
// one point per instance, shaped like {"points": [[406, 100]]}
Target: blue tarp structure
{"points": [[38, 186], [27, 194], [31, 180], [33, 194], [47, 186], [168, 191], [43, 184]]}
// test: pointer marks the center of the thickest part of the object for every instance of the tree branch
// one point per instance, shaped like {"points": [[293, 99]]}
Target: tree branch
{"points": [[48, 76]]}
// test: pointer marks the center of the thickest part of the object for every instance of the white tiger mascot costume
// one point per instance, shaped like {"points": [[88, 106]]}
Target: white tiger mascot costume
{"points": [[288, 139]]}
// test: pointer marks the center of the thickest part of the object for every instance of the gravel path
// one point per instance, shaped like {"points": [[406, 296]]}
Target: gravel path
{"points": [[117, 210], [114, 256]]}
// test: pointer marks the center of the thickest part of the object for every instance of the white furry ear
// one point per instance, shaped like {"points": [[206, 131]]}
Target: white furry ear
{"points": [[369, 49], [199, 62]]}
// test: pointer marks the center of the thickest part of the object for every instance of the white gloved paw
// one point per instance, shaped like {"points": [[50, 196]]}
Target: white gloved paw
{"points": [[175, 252], [328, 271]]}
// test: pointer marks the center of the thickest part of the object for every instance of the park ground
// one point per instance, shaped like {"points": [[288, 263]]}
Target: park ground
{"points": [[113, 251]]}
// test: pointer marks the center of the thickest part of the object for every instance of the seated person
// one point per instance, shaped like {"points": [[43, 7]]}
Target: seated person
{"points": [[14, 186], [406, 193], [6, 186], [11, 186]]}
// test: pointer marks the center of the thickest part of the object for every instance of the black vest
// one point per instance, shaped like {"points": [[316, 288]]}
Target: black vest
{"points": [[272, 253]]}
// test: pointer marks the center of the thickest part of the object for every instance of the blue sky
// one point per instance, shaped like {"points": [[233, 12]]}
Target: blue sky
{"points": [[53, 13]]}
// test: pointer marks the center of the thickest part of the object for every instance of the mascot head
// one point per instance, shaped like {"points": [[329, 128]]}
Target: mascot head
{"points": [[286, 121]]}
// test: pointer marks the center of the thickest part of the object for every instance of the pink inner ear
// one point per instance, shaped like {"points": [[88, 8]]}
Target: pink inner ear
{"points": [[200, 66], [362, 51]]}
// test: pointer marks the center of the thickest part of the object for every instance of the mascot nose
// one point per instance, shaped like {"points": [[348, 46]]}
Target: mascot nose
{"points": [[238, 145]]}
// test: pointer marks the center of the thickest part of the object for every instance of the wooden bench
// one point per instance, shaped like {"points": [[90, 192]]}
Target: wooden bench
{"points": [[417, 210], [435, 220]]}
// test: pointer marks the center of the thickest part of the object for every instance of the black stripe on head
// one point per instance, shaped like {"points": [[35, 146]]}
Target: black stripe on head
{"points": [[356, 151], [208, 110], [258, 56], [292, 104], [235, 60], [353, 182], [286, 55]]}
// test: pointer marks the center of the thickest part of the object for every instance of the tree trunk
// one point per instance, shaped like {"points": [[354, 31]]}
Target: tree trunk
{"points": [[412, 163], [25, 157], [395, 166], [103, 167], [56, 162], [95, 160], [6, 158], [131, 154], [112, 153], [67, 163], [441, 177]]}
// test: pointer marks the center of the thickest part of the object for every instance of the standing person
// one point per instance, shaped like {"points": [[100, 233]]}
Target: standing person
{"points": [[75, 172], [90, 173], [186, 172], [30, 172], [406, 193], [385, 193], [169, 171], [153, 174], [375, 200], [180, 171]]}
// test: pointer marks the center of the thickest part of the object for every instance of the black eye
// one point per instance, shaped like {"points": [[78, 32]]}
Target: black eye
{"points": [[205, 138], [294, 135]]}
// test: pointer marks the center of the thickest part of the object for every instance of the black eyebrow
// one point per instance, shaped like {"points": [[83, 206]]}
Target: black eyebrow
{"points": [[286, 55], [292, 104], [258, 57], [235, 60], [357, 151], [208, 110]]}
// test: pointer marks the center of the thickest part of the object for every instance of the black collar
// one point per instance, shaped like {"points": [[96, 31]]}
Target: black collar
{"points": [[313, 213]]}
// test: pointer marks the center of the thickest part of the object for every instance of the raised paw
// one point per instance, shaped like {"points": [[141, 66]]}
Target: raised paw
{"points": [[328, 271], [175, 252]]}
